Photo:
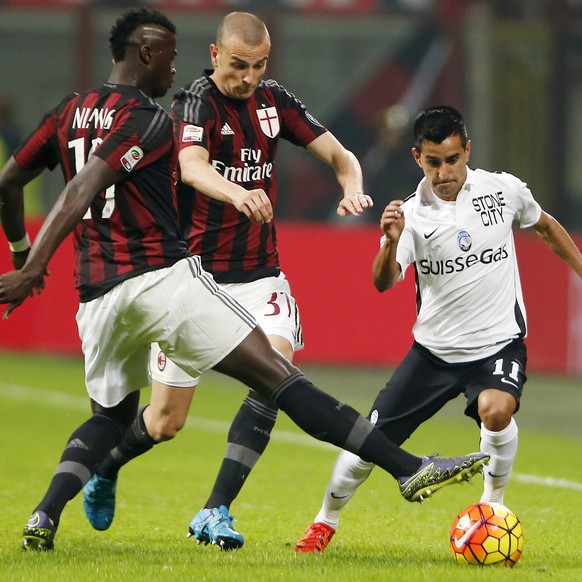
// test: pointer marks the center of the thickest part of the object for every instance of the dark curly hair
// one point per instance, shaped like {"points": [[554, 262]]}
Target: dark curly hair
{"points": [[128, 22]]}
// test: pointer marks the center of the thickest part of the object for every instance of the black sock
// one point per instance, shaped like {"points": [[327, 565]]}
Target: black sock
{"points": [[248, 437], [86, 448], [136, 442], [327, 419]]}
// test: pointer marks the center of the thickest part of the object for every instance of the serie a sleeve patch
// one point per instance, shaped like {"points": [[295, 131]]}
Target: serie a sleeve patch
{"points": [[192, 133]]}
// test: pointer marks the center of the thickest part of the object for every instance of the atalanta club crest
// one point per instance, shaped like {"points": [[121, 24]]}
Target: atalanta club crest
{"points": [[464, 240], [161, 361]]}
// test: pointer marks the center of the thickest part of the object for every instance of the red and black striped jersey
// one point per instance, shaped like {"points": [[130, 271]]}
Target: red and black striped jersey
{"points": [[241, 137], [132, 227]]}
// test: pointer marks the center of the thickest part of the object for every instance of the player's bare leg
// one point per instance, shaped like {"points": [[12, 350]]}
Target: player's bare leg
{"points": [[159, 421]]}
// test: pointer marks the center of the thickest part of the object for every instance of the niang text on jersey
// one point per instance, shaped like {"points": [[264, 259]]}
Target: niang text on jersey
{"points": [[87, 117]]}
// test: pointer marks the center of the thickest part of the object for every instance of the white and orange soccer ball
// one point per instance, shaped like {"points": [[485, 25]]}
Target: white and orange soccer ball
{"points": [[487, 533]]}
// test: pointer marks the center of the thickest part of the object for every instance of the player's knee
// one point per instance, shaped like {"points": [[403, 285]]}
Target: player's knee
{"points": [[496, 409], [165, 427]]}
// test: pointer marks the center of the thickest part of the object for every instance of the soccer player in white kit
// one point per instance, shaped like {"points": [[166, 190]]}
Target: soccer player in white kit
{"points": [[456, 230]]}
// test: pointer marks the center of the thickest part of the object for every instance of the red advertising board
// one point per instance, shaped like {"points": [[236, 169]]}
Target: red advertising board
{"points": [[345, 320]]}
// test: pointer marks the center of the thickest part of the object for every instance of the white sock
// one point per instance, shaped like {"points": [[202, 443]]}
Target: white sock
{"points": [[349, 472], [502, 446]]}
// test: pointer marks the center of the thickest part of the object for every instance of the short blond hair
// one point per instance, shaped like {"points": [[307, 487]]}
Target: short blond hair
{"points": [[249, 27]]}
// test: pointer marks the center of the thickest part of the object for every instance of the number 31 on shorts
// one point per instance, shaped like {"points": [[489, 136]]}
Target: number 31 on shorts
{"points": [[279, 301]]}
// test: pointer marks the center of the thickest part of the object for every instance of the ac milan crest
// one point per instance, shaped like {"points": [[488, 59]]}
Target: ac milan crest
{"points": [[161, 361], [269, 121]]}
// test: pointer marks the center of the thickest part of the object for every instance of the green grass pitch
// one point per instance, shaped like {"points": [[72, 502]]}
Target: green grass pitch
{"points": [[381, 537]]}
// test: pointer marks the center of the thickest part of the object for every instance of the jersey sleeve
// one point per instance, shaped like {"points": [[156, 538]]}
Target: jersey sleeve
{"points": [[528, 211], [38, 150], [139, 136], [405, 251], [193, 120], [298, 125]]}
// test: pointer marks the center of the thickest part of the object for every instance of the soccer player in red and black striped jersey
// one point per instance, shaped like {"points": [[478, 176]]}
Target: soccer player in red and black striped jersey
{"points": [[228, 125], [122, 126], [138, 284], [116, 151]]}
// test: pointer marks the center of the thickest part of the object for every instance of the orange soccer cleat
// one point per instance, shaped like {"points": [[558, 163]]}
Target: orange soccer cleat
{"points": [[315, 538]]}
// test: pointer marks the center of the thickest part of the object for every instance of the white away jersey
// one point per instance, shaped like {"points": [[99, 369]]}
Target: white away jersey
{"points": [[469, 297]]}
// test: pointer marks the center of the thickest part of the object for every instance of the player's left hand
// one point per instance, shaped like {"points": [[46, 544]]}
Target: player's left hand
{"points": [[354, 205], [19, 258]]}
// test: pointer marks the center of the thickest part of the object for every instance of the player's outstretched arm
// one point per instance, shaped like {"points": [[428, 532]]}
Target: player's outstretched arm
{"points": [[13, 178], [67, 212], [348, 173], [559, 241]]}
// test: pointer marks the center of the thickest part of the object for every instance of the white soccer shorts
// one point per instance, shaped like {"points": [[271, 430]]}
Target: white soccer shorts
{"points": [[269, 300], [193, 319]]}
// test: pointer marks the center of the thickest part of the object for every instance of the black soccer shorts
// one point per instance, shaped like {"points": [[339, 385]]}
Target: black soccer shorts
{"points": [[422, 384]]}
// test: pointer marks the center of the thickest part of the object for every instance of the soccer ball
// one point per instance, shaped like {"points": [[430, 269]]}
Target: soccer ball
{"points": [[487, 533]]}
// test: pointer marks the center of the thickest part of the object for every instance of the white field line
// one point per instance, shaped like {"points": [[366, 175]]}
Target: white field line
{"points": [[60, 400], [547, 481]]}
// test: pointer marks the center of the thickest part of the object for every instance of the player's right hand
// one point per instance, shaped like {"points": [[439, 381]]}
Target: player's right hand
{"points": [[256, 206], [17, 286], [392, 220]]}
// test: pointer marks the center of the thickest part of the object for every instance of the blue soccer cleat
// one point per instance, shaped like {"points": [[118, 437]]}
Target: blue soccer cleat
{"points": [[214, 526], [435, 473], [39, 532], [99, 501]]}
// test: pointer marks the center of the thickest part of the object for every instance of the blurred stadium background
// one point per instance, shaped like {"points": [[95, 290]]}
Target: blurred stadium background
{"points": [[364, 68]]}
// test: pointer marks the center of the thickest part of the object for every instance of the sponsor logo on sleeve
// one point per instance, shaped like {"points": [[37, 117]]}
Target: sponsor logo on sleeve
{"points": [[312, 119], [131, 157], [192, 133]]}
